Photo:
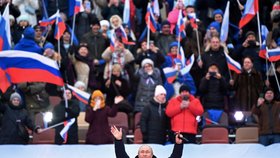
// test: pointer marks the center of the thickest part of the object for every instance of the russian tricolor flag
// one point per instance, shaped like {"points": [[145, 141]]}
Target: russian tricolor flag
{"points": [[232, 64], [79, 94], [193, 20], [180, 27], [170, 74], [264, 33], [188, 65], [251, 9], [150, 19], [112, 40], [20, 66], [64, 132], [273, 54], [51, 20], [60, 27], [5, 33], [78, 6]]}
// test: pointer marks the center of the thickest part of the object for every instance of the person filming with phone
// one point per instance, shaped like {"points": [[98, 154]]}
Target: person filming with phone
{"points": [[182, 110]]}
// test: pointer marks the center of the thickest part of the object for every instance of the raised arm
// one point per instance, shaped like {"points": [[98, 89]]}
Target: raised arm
{"points": [[119, 145], [178, 147]]}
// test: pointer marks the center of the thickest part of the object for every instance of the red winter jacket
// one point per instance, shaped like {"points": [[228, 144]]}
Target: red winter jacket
{"points": [[184, 120]]}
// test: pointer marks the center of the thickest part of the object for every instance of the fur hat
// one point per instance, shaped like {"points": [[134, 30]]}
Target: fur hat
{"points": [[159, 90], [95, 94], [184, 88], [15, 95], [147, 61], [104, 22], [80, 84]]}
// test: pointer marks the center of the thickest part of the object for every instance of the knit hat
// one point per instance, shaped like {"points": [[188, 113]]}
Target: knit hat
{"points": [[49, 45], [104, 22], [95, 22], [159, 90], [165, 23], [95, 94], [29, 33], [218, 11], [80, 84], [11, 17], [147, 61], [15, 95], [184, 88], [250, 33], [173, 44], [216, 25], [22, 17]]}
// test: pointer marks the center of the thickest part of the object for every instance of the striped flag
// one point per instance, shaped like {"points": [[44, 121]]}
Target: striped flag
{"points": [[273, 54], [193, 20], [225, 24], [64, 132], [112, 40], [251, 9], [264, 32], [150, 19], [60, 27], [170, 74], [79, 94], [78, 6], [188, 65], [156, 7], [180, 27], [232, 64]]}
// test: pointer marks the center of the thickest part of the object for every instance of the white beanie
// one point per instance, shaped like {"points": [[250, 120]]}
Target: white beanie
{"points": [[79, 84], [159, 90], [23, 17], [147, 61], [15, 95], [104, 22]]}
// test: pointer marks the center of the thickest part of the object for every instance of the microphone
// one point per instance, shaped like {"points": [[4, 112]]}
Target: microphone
{"points": [[183, 138]]}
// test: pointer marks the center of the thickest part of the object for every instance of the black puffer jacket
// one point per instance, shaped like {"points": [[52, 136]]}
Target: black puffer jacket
{"points": [[12, 117], [154, 123], [213, 93]]}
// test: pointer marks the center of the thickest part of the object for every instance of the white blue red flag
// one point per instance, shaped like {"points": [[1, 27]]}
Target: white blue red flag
{"points": [[5, 31], [78, 6], [232, 64], [251, 9], [193, 20], [264, 33], [187, 68], [180, 27], [20, 66], [64, 132], [50, 21], [150, 19], [170, 74], [225, 24], [273, 54], [112, 40], [155, 5], [60, 27], [79, 94]]}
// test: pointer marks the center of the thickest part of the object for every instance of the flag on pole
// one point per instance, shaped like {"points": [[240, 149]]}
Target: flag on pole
{"points": [[150, 19], [20, 66], [155, 7], [225, 24], [273, 54], [180, 26], [170, 74], [112, 40], [187, 68], [79, 94], [264, 33], [193, 20], [5, 32], [64, 132], [232, 64], [50, 21], [78, 6], [251, 9], [60, 27], [126, 13]]}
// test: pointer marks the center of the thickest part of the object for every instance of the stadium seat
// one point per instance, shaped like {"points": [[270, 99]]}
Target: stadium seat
{"points": [[247, 135], [82, 127], [137, 118], [138, 137], [46, 137], [217, 135], [223, 120], [120, 120]]}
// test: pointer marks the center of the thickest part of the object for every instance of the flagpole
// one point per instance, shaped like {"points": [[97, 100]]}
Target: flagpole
{"points": [[50, 127], [73, 29], [148, 33], [198, 45]]}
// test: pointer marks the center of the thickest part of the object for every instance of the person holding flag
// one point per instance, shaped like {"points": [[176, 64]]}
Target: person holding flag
{"points": [[72, 111]]}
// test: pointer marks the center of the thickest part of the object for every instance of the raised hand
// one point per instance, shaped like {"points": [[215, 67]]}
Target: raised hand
{"points": [[116, 133], [178, 140]]}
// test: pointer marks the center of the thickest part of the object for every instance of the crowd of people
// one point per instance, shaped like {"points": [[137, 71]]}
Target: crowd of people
{"points": [[129, 77]]}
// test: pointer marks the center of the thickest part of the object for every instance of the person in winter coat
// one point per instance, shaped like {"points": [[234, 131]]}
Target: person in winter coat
{"points": [[97, 116], [148, 78], [272, 82], [268, 111], [62, 113], [15, 121], [28, 7], [145, 151], [27, 43], [114, 7], [153, 121], [248, 86], [182, 111], [22, 24], [213, 88]]}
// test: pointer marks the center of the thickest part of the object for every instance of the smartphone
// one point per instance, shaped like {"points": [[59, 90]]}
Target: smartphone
{"points": [[87, 4], [185, 97], [212, 74]]}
